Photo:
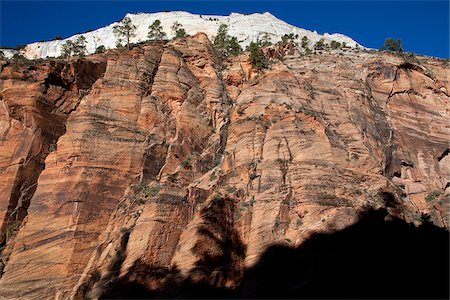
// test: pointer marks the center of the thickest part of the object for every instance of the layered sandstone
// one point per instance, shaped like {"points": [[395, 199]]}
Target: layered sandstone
{"points": [[165, 160]]}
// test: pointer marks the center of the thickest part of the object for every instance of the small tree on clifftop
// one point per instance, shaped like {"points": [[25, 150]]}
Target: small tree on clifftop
{"points": [[178, 30], [80, 46], [70, 48], [392, 45], [289, 38], [265, 40], [335, 45], [305, 42], [155, 31], [67, 49], [125, 29], [319, 45]]}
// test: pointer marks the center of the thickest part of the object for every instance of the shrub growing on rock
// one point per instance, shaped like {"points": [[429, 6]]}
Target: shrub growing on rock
{"points": [[100, 49], [320, 45], [288, 38], [265, 40], [335, 45], [305, 42]]}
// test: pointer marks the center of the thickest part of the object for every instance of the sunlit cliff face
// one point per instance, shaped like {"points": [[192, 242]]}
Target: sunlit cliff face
{"points": [[165, 160]]}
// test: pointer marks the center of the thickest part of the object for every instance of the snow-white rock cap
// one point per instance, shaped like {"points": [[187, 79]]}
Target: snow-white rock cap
{"points": [[246, 28]]}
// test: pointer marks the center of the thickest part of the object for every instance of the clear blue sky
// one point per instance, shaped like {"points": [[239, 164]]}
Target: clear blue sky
{"points": [[423, 26]]}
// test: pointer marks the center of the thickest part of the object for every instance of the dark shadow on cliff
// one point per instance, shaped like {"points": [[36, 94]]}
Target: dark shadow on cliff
{"points": [[373, 258], [219, 252]]}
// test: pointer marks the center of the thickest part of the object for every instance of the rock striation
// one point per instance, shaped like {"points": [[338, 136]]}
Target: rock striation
{"points": [[165, 162]]}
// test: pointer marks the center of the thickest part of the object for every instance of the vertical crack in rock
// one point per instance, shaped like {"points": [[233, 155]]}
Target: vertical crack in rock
{"points": [[384, 131], [59, 89]]}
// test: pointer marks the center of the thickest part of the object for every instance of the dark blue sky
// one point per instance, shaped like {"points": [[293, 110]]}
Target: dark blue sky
{"points": [[423, 26]]}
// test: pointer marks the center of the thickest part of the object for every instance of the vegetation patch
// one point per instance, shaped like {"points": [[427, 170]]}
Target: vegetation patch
{"points": [[12, 229], [431, 196], [187, 162]]}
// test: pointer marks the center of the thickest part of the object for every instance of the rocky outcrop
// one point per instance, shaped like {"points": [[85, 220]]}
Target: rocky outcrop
{"points": [[36, 102], [163, 163]]}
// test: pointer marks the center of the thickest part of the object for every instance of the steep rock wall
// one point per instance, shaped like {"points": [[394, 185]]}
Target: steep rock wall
{"points": [[174, 164]]}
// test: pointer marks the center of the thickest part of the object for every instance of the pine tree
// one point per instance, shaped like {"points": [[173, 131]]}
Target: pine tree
{"points": [[233, 47], [125, 29], [220, 40], [320, 45], [305, 42], [70, 47], [67, 49], [288, 38], [257, 58], [393, 45], [100, 49], [80, 46], [155, 31], [178, 30], [335, 45], [225, 44], [265, 40]]}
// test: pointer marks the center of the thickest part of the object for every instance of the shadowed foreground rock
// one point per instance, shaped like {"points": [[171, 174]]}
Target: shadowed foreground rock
{"points": [[163, 170], [373, 258]]}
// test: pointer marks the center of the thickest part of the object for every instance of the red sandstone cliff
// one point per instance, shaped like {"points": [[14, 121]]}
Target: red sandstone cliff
{"points": [[158, 156]]}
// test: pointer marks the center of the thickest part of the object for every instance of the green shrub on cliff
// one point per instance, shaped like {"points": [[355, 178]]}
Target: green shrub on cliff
{"points": [[431, 196], [289, 38], [335, 45], [187, 162], [100, 49], [265, 40], [305, 42], [320, 45], [12, 229]]}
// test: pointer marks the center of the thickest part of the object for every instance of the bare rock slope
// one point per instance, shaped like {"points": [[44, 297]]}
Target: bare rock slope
{"points": [[162, 158]]}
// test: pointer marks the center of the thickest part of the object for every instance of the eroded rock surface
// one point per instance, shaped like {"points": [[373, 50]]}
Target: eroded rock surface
{"points": [[163, 162]]}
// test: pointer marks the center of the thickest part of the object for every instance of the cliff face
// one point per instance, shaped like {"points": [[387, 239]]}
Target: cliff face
{"points": [[163, 158]]}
